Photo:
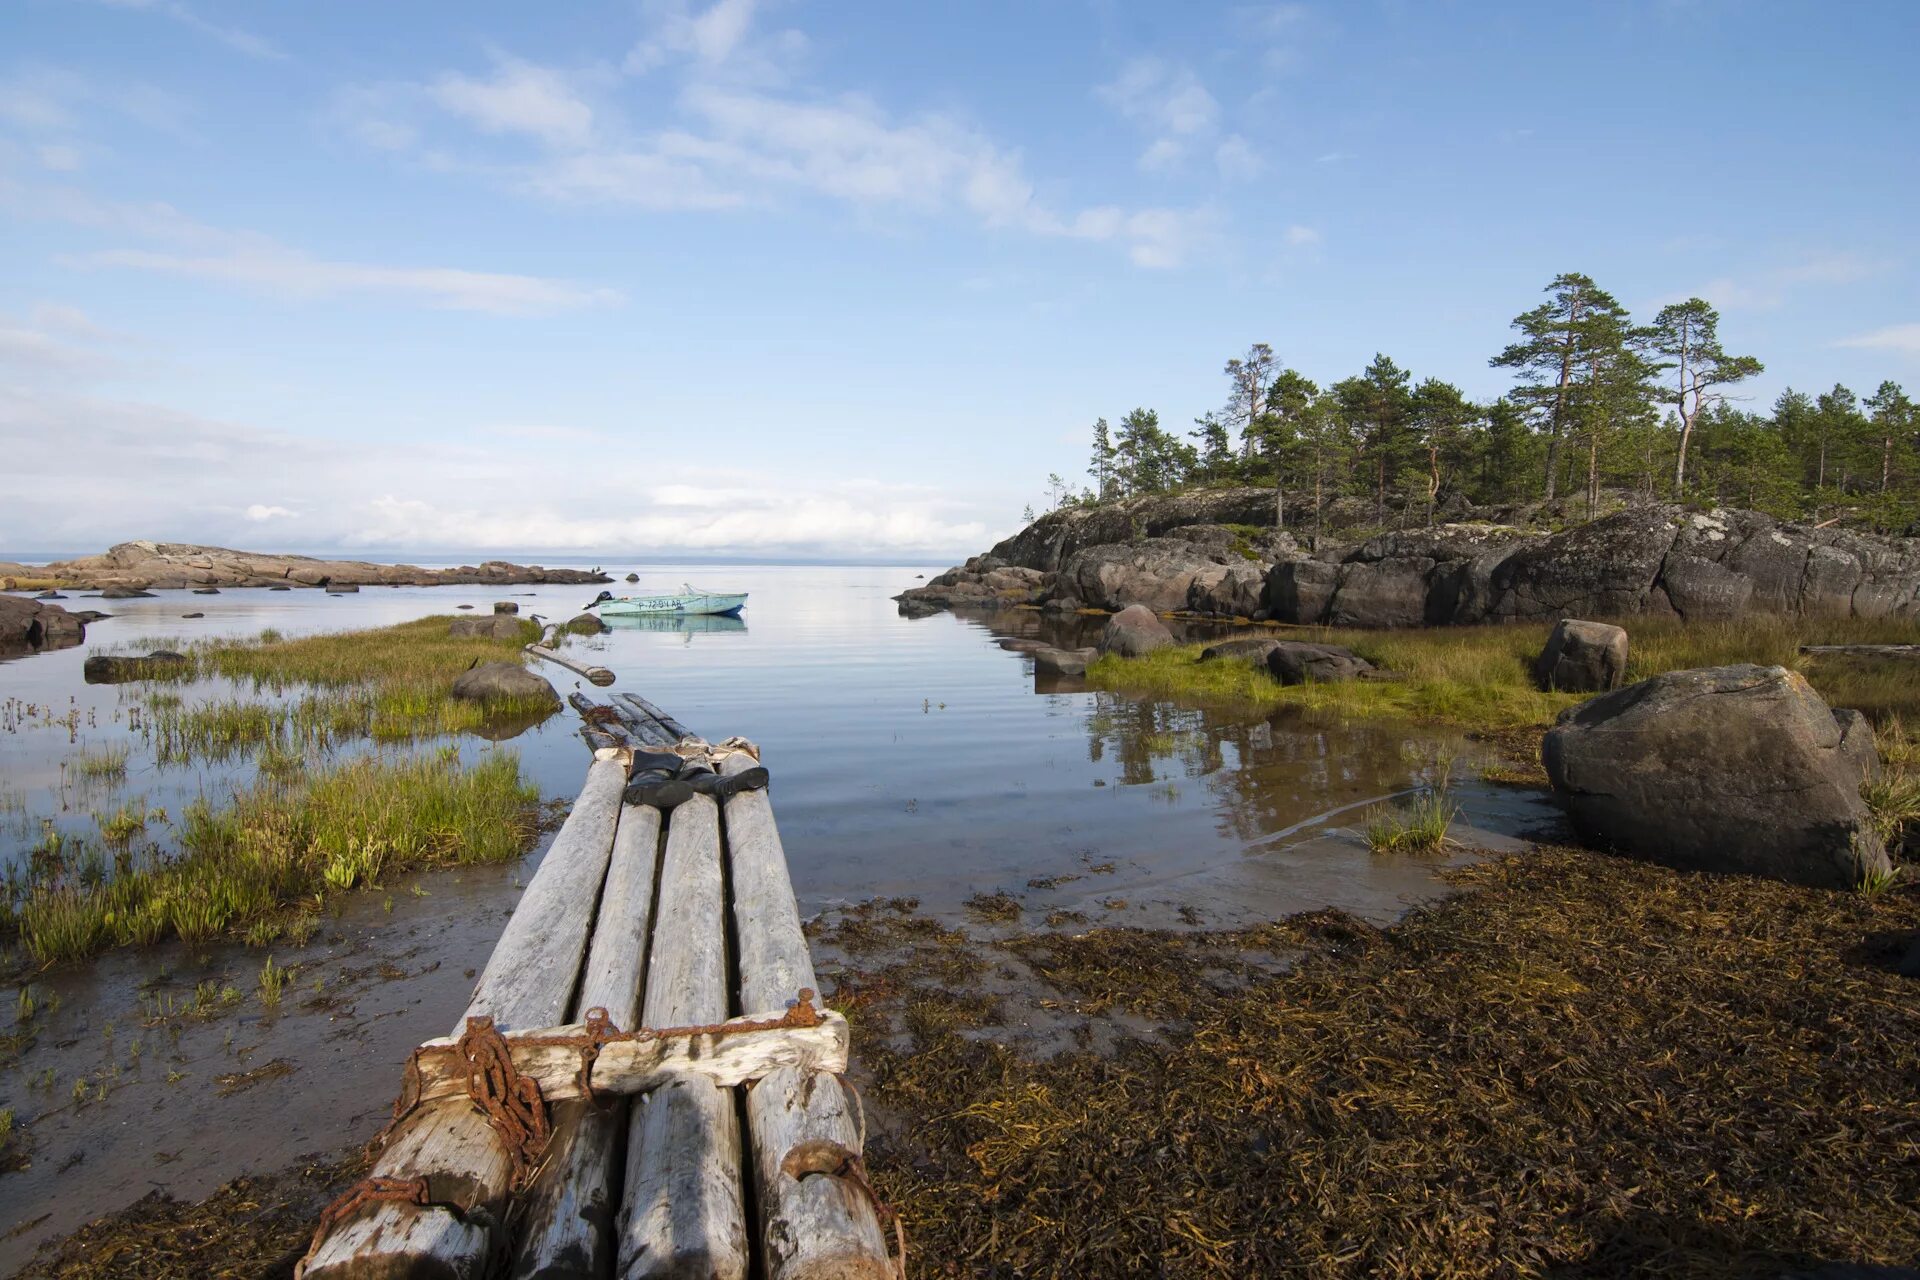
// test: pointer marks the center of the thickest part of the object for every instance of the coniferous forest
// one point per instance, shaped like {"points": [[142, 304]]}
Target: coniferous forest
{"points": [[1601, 407]]}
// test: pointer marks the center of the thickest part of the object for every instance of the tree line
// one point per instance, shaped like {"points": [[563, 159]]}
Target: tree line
{"points": [[1599, 403]]}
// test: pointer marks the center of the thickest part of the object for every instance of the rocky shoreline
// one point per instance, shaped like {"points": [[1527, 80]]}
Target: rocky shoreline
{"points": [[143, 566], [1207, 554]]}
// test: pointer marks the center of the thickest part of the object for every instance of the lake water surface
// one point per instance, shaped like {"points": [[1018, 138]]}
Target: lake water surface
{"points": [[911, 758]]}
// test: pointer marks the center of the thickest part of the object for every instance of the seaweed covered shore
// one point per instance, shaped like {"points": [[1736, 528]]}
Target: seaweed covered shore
{"points": [[1577, 1064]]}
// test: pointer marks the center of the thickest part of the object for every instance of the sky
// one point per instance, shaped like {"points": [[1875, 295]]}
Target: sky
{"points": [[777, 278]]}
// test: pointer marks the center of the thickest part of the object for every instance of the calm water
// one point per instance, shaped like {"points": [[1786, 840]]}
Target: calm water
{"points": [[913, 758]]}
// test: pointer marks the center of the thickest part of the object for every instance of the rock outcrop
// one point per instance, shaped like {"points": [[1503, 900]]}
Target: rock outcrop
{"points": [[1659, 559], [37, 624], [500, 681], [174, 565], [1738, 768], [984, 582], [1134, 632], [1063, 662], [1582, 657], [1254, 649], [1049, 542]]}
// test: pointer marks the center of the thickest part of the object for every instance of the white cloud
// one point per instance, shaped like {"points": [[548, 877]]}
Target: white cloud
{"points": [[1236, 159], [1903, 338], [1300, 237], [1769, 287], [519, 98], [59, 159], [257, 261], [1168, 103], [55, 343], [718, 37], [233, 37], [152, 471], [288, 272]]}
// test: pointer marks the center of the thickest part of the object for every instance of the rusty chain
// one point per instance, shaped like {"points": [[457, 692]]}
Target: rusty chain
{"points": [[512, 1102]]}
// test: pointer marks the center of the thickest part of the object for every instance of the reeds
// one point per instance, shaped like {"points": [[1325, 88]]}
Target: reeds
{"points": [[278, 843]]}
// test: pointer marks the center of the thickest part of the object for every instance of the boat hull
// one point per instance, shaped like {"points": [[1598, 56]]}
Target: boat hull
{"points": [[707, 604]]}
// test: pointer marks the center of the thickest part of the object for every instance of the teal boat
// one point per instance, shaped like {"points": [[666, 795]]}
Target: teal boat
{"points": [[690, 601]]}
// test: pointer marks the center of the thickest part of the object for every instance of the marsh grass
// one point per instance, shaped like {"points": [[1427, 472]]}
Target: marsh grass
{"points": [[100, 764], [1480, 677], [278, 843], [388, 684]]}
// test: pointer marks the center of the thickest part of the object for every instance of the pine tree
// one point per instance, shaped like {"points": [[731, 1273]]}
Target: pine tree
{"points": [[1687, 335], [1555, 348], [1101, 467], [1247, 401]]}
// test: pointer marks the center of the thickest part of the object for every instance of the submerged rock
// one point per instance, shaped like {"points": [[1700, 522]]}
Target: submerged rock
{"points": [[1737, 768], [1298, 662], [587, 624], [505, 606], [498, 681], [1582, 657], [206, 591], [124, 593], [105, 668], [1134, 632], [1048, 660]]}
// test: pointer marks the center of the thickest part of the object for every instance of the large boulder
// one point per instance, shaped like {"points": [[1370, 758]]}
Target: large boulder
{"points": [[1298, 662], [1134, 632], [1582, 657], [491, 626], [1159, 573], [1737, 768], [1857, 743], [502, 681], [587, 624], [1425, 577], [36, 624], [1229, 590]]}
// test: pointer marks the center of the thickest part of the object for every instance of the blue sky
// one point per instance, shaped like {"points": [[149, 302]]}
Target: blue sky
{"points": [[803, 279]]}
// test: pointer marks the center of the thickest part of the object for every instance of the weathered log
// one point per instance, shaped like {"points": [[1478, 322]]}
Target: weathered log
{"points": [[598, 675], [1864, 650], [528, 982], [683, 1210], [666, 721], [645, 714], [817, 1226], [644, 728], [737, 1054], [570, 1207]]}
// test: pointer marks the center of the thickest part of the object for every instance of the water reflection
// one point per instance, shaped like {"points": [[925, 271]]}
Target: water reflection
{"points": [[686, 625]]}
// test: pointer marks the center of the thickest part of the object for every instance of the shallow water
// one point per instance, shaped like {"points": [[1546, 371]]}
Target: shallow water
{"points": [[910, 758]]}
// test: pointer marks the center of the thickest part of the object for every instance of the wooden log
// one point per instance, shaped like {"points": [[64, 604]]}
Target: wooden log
{"points": [[569, 1209], [818, 1226], [1864, 650], [683, 1211], [671, 725], [528, 982], [643, 728], [738, 1055], [598, 675], [646, 721]]}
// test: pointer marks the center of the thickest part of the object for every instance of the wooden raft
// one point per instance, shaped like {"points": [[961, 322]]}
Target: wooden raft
{"points": [[721, 1153]]}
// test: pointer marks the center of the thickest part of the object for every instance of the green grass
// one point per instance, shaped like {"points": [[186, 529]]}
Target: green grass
{"points": [[1480, 678], [389, 684], [1419, 826], [280, 843], [100, 764]]}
